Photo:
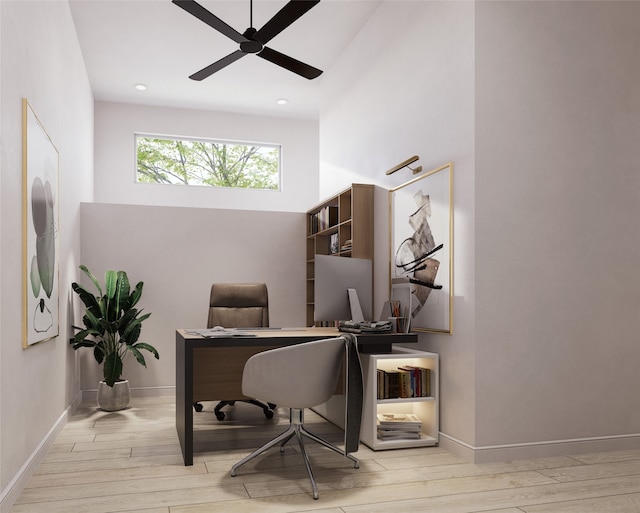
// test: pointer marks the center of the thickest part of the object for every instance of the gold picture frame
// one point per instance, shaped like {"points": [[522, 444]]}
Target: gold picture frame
{"points": [[421, 248], [40, 161]]}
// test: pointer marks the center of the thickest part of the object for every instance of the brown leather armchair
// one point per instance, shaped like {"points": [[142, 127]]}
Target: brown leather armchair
{"points": [[238, 305]]}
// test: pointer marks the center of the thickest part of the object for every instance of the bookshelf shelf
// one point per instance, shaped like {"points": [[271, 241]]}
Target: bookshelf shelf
{"points": [[342, 226], [425, 408]]}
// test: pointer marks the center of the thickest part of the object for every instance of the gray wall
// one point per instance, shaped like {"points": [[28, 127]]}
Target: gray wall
{"points": [[537, 105], [178, 253], [557, 204], [415, 97], [39, 60], [115, 160]]}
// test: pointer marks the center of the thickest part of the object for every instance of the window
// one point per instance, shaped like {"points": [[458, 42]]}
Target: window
{"points": [[210, 163]]}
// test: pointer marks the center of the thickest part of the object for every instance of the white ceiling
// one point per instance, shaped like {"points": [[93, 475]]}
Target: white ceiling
{"points": [[155, 42]]}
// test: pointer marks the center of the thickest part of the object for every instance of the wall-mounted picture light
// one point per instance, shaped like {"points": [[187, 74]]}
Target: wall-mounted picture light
{"points": [[406, 163]]}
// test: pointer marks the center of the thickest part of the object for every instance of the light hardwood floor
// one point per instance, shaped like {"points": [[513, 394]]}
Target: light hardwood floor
{"points": [[130, 461]]}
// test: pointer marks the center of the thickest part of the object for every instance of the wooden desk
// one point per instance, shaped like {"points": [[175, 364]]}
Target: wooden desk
{"points": [[210, 369]]}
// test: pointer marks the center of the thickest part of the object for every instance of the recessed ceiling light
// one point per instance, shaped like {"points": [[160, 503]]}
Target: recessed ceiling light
{"points": [[282, 101], [140, 87]]}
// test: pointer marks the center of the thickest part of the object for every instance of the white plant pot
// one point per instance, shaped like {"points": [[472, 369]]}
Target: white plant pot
{"points": [[114, 398]]}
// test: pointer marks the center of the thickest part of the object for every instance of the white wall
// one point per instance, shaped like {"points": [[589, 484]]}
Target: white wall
{"points": [[40, 59], [412, 92], [178, 253], [115, 160], [557, 204], [537, 105]]}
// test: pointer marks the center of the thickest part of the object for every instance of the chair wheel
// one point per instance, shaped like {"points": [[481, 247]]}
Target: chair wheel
{"points": [[220, 415], [197, 406], [268, 414]]}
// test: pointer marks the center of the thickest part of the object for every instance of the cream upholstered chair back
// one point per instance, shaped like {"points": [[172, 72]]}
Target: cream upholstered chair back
{"points": [[299, 376], [238, 305]]}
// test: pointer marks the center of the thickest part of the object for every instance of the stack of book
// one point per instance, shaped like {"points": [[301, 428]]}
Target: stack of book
{"points": [[399, 426]]}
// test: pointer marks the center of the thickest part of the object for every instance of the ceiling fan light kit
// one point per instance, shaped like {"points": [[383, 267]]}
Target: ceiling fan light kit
{"points": [[253, 41]]}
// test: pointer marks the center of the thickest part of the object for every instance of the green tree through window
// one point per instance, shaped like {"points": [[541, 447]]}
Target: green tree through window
{"points": [[208, 163]]}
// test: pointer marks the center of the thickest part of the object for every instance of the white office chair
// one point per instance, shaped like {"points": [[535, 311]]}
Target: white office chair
{"points": [[302, 376]]}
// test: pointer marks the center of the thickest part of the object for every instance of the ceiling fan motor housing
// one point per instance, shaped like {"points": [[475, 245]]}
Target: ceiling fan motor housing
{"points": [[250, 46]]}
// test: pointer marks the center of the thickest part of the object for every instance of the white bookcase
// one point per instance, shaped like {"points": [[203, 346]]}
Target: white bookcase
{"points": [[426, 408]]}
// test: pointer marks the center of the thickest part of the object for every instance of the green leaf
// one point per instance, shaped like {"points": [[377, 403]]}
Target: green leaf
{"points": [[131, 332], [126, 319], [98, 353], [92, 278], [81, 335], [122, 291], [112, 368], [90, 320], [135, 295], [138, 355], [82, 343], [110, 281], [89, 300], [147, 347]]}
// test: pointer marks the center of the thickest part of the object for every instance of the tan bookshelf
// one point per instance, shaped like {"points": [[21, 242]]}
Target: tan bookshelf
{"points": [[342, 226]]}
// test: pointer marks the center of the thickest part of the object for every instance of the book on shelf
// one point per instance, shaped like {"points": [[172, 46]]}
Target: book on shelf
{"points": [[334, 245], [398, 420], [415, 381], [398, 426], [398, 435], [325, 218], [388, 383]]}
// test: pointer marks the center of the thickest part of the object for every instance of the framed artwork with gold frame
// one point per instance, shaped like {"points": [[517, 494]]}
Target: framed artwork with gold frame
{"points": [[40, 242], [421, 247]]}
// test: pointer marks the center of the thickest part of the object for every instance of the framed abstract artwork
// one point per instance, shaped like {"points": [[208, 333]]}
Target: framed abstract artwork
{"points": [[421, 247], [40, 230]]}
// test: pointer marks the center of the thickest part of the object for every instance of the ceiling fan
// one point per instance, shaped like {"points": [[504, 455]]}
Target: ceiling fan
{"points": [[252, 40]]}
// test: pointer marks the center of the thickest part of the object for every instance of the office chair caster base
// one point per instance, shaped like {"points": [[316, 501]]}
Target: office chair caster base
{"points": [[197, 406], [266, 408]]}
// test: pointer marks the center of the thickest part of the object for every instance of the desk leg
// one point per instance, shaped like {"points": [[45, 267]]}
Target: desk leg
{"points": [[184, 397]]}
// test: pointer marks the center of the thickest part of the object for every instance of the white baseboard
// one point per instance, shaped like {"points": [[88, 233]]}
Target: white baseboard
{"points": [[544, 449], [13, 490]]}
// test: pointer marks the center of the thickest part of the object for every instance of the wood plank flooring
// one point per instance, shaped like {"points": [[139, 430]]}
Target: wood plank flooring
{"points": [[130, 461]]}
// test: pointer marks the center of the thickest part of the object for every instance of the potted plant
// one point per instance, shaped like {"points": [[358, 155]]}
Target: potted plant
{"points": [[112, 327]]}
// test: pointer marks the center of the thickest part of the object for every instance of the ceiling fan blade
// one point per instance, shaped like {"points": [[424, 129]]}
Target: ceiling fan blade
{"points": [[218, 65], [300, 68], [194, 8], [283, 18]]}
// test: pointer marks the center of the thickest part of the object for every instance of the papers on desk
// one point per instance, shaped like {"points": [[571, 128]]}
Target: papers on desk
{"points": [[220, 332], [365, 327]]}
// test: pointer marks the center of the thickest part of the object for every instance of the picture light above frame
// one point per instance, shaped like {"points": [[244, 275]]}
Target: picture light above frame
{"points": [[406, 163]]}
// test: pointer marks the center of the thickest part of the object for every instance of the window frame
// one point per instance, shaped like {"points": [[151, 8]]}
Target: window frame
{"points": [[278, 146]]}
